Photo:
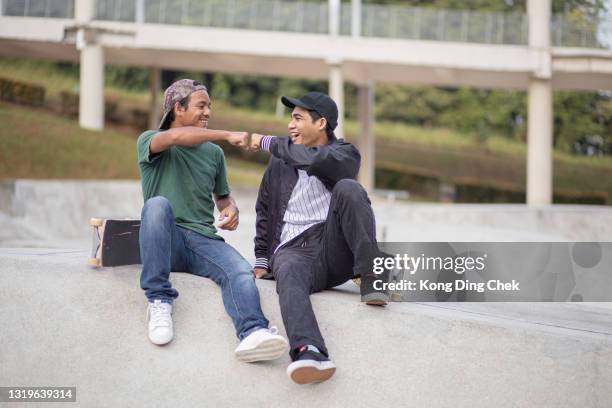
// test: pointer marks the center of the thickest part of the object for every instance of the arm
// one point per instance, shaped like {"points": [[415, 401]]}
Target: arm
{"points": [[330, 163], [191, 135], [261, 227], [229, 217]]}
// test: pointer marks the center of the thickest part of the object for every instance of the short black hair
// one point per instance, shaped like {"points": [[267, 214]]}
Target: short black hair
{"points": [[316, 116], [184, 103]]}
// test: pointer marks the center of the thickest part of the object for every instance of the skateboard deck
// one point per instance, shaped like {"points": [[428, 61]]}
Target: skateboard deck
{"points": [[115, 242]]}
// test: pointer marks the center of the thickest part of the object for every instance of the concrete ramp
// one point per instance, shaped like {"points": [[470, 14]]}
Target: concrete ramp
{"points": [[64, 324]]}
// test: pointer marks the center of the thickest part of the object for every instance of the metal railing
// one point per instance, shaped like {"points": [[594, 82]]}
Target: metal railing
{"points": [[569, 30], [273, 15], [116, 10], [385, 21], [38, 8], [439, 24]]}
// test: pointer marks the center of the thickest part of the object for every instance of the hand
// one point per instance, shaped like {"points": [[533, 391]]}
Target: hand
{"points": [[228, 218], [260, 272], [240, 139], [255, 143]]}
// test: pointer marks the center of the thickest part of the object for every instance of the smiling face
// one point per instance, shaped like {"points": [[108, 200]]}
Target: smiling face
{"points": [[303, 130], [197, 112]]}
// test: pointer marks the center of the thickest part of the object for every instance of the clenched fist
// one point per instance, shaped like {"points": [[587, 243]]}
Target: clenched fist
{"points": [[240, 139], [260, 272], [255, 143]]}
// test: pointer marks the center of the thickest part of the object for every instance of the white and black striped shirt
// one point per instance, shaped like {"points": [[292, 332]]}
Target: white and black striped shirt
{"points": [[308, 205]]}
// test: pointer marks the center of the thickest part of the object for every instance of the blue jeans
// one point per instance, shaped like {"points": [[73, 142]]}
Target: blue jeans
{"points": [[165, 247]]}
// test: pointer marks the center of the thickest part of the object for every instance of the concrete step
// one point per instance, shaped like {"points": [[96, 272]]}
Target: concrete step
{"points": [[65, 324], [41, 212]]}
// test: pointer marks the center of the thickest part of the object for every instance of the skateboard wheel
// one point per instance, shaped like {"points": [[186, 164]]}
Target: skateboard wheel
{"points": [[357, 281], [96, 222], [95, 262]]}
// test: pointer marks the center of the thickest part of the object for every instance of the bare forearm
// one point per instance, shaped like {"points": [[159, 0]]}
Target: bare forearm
{"points": [[186, 136], [191, 135]]}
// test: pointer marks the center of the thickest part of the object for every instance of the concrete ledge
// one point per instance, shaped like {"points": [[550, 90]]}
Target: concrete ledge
{"points": [[66, 324], [42, 212]]}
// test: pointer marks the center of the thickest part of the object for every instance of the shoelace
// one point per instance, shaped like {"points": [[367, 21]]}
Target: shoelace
{"points": [[160, 314]]}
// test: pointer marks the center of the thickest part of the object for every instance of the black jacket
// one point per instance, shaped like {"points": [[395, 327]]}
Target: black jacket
{"points": [[330, 163]]}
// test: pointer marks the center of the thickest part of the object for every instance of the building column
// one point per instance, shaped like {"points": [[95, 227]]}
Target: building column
{"points": [[140, 11], [334, 17], [155, 89], [336, 82], [91, 85], [540, 108], [356, 18], [366, 136], [336, 92]]}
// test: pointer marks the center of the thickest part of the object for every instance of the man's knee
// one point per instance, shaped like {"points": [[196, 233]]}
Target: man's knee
{"points": [[156, 208], [241, 272], [237, 278], [349, 189], [289, 276]]}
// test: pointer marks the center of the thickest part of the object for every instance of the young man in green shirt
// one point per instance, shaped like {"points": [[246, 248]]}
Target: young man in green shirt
{"points": [[183, 176]]}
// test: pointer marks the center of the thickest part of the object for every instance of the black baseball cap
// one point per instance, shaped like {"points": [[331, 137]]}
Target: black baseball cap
{"points": [[318, 102]]}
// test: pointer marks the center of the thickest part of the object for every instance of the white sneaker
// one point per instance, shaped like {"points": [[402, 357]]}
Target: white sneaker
{"points": [[159, 315], [262, 344]]}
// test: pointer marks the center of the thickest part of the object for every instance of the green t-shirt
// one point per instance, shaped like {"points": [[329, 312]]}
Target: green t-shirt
{"points": [[187, 176]]}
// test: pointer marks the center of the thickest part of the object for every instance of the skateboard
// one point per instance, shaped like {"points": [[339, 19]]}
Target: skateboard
{"points": [[115, 242]]}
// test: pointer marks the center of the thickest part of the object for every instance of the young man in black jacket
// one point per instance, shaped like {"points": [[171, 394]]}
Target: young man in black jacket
{"points": [[315, 226]]}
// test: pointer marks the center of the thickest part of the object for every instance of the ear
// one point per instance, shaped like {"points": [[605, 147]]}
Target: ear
{"points": [[322, 124], [178, 109]]}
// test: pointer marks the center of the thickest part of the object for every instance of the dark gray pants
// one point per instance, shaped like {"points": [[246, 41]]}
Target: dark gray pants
{"points": [[324, 256]]}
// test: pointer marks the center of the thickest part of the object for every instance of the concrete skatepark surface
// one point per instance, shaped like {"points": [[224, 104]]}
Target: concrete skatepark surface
{"points": [[66, 324]]}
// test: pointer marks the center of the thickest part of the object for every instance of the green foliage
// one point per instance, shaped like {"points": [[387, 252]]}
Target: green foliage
{"points": [[581, 115], [132, 78], [21, 92], [250, 91], [480, 112]]}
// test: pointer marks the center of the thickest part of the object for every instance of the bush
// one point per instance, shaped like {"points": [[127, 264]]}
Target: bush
{"points": [[69, 104], [21, 92], [140, 119]]}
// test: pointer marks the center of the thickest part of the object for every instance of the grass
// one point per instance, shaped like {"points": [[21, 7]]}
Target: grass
{"points": [[46, 74], [36, 144]]}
